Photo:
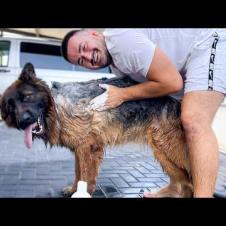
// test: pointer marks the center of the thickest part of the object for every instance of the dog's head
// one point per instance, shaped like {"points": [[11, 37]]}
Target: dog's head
{"points": [[25, 104]]}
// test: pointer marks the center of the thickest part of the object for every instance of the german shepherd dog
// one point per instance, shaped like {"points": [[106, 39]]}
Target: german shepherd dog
{"points": [[62, 116]]}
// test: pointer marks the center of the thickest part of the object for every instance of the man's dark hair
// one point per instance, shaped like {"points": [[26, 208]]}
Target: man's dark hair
{"points": [[64, 44]]}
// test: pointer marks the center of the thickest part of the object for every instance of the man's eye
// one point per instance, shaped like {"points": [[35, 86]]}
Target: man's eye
{"points": [[81, 61]]}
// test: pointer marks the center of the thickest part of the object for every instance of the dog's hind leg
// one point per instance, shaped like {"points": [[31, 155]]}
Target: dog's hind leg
{"points": [[170, 150], [179, 186]]}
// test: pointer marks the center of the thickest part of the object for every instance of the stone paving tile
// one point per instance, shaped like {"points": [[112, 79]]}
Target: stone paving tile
{"points": [[132, 195], [143, 184], [126, 171], [166, 179], [161, 184], [103, 180], [108, 175], [150, 179], [156, 175], [132, 190], [7, 194], [113, 171], [25, 193], [142, 169], [110, 191], [120, 183], [136, 173], [99, 193], [149, 166], [128, 178]]}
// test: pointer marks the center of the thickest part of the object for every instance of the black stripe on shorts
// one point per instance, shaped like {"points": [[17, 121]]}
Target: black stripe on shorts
{"points": [[211, 63]]}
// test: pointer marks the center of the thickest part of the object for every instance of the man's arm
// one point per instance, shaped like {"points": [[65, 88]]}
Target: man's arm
{"points": [[163, 79]]}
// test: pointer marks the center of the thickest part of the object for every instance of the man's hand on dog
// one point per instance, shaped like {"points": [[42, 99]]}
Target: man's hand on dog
{"points": [[111, 98]]}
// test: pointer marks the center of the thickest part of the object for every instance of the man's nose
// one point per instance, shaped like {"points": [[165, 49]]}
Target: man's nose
{"points": [[87, 55]]}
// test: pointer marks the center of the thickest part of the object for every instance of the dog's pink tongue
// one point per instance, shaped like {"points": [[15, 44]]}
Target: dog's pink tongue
{"points": [[28, 135]]}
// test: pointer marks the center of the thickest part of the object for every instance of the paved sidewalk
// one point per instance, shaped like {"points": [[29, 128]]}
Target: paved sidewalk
{"points": [[125, 172]]}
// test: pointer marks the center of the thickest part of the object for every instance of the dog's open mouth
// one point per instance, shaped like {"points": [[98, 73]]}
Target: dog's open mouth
{"points": [[35, 128], [38, 128]]}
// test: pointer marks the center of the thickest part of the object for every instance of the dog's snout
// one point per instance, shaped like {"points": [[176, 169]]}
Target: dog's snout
{"points": [[26, 116], [26, 119]]}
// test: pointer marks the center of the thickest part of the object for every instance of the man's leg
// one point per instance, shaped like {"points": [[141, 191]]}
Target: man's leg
{"points": [[198, 111]]}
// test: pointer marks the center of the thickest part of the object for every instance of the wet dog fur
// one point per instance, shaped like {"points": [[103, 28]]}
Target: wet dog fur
{"points": [[68, 121]]}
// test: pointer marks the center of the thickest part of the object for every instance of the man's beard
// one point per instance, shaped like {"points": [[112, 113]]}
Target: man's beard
{"points": [[108, 59]]}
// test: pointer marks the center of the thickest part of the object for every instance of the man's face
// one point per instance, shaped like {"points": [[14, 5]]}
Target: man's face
{"points": [[88, 49]]}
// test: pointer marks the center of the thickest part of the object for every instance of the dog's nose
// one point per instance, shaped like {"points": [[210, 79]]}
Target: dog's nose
{"points": [[26, 116], [25, 120]]}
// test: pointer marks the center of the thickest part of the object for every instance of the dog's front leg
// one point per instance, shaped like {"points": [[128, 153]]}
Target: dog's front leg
{"points": [[88, 157], [88, 160], [69, 190]]}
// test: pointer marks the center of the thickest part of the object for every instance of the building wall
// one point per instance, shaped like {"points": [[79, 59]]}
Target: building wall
{"points": [[219, 126]]}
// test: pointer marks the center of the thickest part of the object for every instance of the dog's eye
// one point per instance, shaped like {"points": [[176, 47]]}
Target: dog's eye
{"points": [[27, 97]]}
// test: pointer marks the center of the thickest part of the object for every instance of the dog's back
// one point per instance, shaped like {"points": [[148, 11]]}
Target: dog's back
{"points": [[126, 122]]}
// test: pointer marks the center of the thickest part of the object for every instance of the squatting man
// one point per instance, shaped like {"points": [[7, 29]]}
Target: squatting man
{"points": [[164, 62]]}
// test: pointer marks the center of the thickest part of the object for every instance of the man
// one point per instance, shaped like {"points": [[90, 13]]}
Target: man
{"points": [[160, 59]]}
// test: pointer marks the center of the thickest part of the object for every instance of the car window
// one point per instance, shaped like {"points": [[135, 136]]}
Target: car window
{"points": [[4, 53], [48, 57]]}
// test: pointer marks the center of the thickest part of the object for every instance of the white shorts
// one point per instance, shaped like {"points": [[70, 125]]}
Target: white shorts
{"points": [[206, 66]]}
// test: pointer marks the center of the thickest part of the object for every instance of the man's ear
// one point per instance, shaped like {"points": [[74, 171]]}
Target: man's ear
{"points": [[93, 32], [28, 73]]}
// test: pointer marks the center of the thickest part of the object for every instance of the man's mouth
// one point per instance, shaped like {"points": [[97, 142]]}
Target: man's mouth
{"points": [[96, 57], [35, 128]]}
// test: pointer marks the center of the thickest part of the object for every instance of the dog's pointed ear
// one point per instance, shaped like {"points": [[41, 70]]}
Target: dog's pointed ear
{"points": [[28, 73]]}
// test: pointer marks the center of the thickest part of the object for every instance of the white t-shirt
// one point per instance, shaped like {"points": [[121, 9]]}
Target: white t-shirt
{"points": [[132, 50]]}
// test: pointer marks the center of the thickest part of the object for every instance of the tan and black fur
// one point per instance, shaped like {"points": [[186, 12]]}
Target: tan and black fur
{"points": [[69, 122]]}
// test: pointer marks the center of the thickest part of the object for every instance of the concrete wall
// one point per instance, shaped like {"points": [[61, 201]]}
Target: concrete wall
{"points": [[219, 126]]}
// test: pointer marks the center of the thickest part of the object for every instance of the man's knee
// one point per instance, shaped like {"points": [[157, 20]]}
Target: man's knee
{"points": [[194, 123]]}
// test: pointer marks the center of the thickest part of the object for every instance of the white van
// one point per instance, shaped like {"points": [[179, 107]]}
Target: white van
{"points": [[44, 54]]}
